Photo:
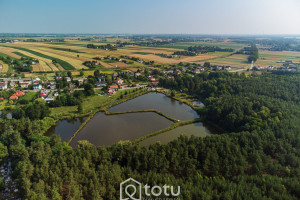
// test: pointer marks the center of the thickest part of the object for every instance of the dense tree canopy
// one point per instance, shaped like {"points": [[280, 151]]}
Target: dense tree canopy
{"points": [[257, 156]]}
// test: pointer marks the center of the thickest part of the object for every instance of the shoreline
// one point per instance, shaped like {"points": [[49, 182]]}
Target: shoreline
{"points": [[176, 123]]}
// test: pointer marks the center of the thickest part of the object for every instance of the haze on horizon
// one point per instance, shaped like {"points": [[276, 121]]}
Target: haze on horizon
{"points": [[151, 17]]}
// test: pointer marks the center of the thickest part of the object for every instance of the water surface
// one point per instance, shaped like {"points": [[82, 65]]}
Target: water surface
{"points": [[109, 129], [66, 128], [159, 102], [196, 129]]}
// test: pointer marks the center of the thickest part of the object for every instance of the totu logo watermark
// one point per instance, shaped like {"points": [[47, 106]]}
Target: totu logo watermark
{"points": [[131, 189]]}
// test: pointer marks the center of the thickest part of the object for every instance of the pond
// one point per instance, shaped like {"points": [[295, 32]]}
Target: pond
{"points": [[196, 129], [159, 102], [109, 129], [66, 128], [105, 129]]}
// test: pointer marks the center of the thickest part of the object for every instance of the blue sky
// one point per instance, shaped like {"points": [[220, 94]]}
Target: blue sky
{"points": [[151, 16]]}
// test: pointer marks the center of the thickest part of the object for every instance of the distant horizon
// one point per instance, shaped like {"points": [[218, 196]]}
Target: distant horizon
{"points": [[120, 34]]}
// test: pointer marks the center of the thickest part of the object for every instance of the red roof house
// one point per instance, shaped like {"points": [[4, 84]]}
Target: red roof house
{"points": [[13, 97]]}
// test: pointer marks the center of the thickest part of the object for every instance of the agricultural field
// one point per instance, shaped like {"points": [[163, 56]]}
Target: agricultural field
{"points": [[72, 53], [3, 67], [276, 58], [236, 60], [185, 45]]}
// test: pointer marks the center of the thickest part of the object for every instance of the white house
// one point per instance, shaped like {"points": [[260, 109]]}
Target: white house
{"points": [[68, 79], [3, 85], [37, 87]]}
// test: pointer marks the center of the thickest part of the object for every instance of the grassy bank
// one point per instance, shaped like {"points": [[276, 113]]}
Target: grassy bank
{"points": [[140, 111]]}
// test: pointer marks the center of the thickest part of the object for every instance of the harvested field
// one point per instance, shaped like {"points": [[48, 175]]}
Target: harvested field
{"points": [[118, 64], [105, 64], [198, 58], [156, 59], [44, 62], [59, 67], [3, 66], [53, 67], [133, 69], [63, 63], [67, 54], [73, 62], [35, 68], [9, 52]]}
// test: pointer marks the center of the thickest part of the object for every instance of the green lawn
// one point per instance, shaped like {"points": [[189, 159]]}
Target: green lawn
{"points": [[91, 103], [29, 96]]}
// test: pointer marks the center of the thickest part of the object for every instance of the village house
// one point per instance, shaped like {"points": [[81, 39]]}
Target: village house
{"points": [[270, 67], [80, 80], [119, 81], [131, 75], [5, 79], [154, 84], [227, 67], [68, 79], [13, 82], [19, 93], [44, 93], [24, 84], [168, 72], [115, 74], [71, 86], [112, 89], [137, 74], [37, 79], [289, 62], [49, 98], [52, 85], [151, 78], [197, 71], [13, 97], [3, 86], [100, 83], [37, 86]]}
